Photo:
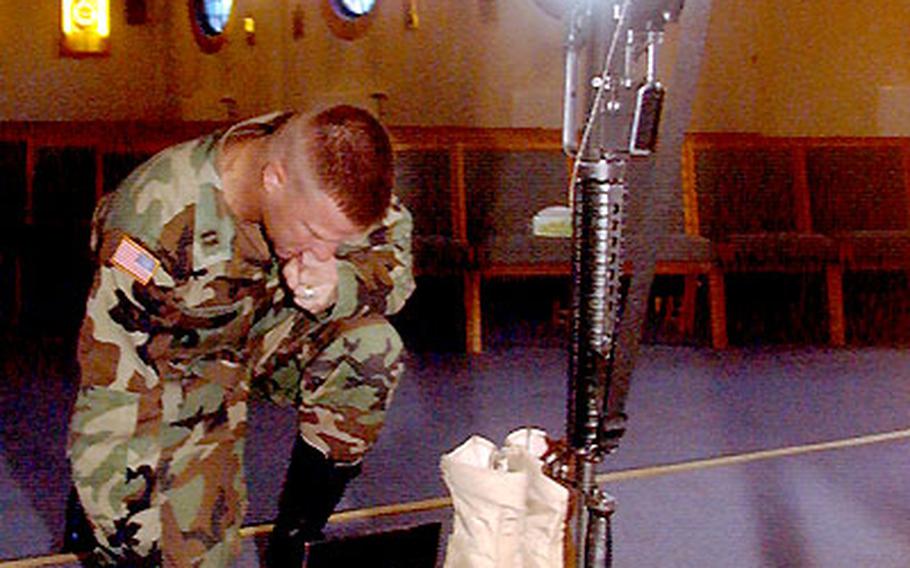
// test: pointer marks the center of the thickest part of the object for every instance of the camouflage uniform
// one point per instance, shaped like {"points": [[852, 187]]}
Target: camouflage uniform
{"points": [[156, 438]]}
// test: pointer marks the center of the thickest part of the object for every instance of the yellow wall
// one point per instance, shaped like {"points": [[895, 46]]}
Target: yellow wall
{"points": [[464, 65], [727, 97], [827, 61], [37, 84], [773, 66]]}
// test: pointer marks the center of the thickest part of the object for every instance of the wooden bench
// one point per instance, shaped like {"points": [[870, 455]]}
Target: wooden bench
{"points": [[472, 191], [806, 206], [509, 175]]}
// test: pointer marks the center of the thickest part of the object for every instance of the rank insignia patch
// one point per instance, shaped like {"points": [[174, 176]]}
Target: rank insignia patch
{"points": [[134, 260]]}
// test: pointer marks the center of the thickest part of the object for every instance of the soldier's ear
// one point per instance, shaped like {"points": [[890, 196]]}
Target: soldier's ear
{"points": [[274, 177]]}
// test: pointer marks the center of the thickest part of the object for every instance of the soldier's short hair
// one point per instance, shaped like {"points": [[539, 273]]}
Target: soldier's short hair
{"points": [[351, 156]]}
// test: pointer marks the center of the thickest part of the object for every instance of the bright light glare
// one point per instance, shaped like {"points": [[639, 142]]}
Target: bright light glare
{"points": [[91, 16], [104, 18], [358, 7], [217, 14]]}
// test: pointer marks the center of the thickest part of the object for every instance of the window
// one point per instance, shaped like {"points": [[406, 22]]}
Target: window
{"points": [[213, 15], [354, 8], [209, 20], [348, 19]]}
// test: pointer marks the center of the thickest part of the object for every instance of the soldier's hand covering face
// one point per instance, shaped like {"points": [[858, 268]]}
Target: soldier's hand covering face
{"points": [[314, 282]]}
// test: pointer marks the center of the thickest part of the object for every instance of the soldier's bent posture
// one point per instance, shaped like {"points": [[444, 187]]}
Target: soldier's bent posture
{"points": [[265, 257]]}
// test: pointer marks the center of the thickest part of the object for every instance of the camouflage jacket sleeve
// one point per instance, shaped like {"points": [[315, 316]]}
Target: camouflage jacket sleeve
{"points": [[375, 275], [117, 329], [202, 293]]}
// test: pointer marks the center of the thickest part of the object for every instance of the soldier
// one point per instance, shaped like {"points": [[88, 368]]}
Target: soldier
{"points": [[265, 256]]}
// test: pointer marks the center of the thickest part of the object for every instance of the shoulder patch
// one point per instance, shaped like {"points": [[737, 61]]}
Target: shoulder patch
{"points": [[131, 258]]}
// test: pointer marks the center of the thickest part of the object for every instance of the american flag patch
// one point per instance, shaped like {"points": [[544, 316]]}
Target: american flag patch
{"points": [[134, 260]]}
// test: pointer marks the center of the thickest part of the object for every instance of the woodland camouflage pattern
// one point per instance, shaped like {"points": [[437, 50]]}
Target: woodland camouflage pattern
{"points": [[157, 434]]}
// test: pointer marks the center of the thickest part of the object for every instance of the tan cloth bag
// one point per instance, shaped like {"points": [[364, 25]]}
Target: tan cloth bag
{"points": [[508, 514]]}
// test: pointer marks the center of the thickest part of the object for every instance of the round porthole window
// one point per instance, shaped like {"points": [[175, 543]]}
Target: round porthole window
{"points": [[210, 19], [349, 19], [353, 9]]}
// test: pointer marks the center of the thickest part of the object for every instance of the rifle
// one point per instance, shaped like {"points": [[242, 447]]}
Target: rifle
{"points": [[611, 65]]}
